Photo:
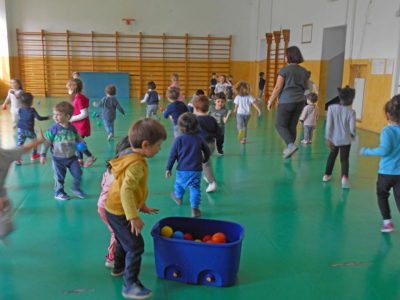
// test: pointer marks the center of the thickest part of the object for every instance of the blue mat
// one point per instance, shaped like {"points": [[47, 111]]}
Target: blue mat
{"points": [[94, 83]]}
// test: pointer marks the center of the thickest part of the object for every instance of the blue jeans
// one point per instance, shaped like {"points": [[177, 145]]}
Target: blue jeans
{"points": [[108, 126], [191, 179], [152, 110], [60, 166], [22, 135], [129, 247]]}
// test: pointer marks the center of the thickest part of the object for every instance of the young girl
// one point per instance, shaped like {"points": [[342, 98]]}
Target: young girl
{"points": [[221, 115], [222, 85], [175, 84], [80, 117], [243, 101], [152, 98], [389, 165], [339, 133], [13, 97], [309, 118], [109, 104]]}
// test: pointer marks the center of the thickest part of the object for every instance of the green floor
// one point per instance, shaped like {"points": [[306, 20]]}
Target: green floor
{"points": [[304, 239]]}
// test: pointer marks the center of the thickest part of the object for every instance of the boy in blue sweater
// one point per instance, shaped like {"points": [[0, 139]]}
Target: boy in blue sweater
{"points": [[26, 124], [152, 98], [62, 139], [191, 151], [175, 109], [389, 166]]}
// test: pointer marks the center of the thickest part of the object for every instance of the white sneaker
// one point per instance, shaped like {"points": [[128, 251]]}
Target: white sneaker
{"points": [[109, 264], [326, 178], [212, 187], [345, 183]]}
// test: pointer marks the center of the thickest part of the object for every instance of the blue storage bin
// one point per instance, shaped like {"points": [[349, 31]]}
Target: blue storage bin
{"points": [[195, 262]]}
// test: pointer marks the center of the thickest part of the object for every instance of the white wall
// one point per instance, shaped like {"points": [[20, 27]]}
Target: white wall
{"points": [[215, 17]]}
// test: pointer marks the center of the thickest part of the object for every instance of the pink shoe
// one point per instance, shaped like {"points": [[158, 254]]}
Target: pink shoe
{"points": [[35, 156], [387, 228]]}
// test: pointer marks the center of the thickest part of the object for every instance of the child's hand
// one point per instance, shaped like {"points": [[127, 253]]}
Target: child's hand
{"points": [[269, 105], [147, 210], [4, 106], [136, 226], [168, 174], [43, 160], [362, 150]]}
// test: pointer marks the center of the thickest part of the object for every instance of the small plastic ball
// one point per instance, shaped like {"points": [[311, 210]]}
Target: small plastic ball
{"points": [[206, 238], [81, 147], [94, 115], [167, 231], [178, 235], [219, 238], [99, 123], [188, 237]]}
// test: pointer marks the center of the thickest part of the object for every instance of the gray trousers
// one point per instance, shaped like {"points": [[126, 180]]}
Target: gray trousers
{"points": [[152, 109], [242, 121], [207, 169], [308, 132]]}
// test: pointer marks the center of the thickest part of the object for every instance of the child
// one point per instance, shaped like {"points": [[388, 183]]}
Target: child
{"points": [[210, 132], [191, 151], [121, 149], [152, 98], [261, 85], [62, 139], [222, 85], [175, 109], [109, 105], [190, 104], [221, 115], [339, 133], [389, 165], [213, 83], [243, 101], [76, 75], [26, 124], [309, 118], [13, 97], [127, 195], [175, 84], [230, 87], [80, 118], [7, 156]]}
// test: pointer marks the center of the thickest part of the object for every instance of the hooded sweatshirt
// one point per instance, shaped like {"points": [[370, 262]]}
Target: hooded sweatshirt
{"points": [[128, 191]]}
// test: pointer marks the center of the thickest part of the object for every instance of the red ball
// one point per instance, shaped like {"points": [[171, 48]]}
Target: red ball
{"points": [[219, 238], [206, 238], [188, 237]]}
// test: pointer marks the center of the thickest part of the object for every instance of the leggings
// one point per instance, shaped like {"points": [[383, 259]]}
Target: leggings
{"points": [[344, 159]]}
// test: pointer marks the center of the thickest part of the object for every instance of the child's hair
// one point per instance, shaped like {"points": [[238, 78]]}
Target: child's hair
{"points": [[392, 109], [261, 74], [76, 73], [174, 77], [199, 93], [293, 55], [146, 130], [346, 95], [151, 85], [64, 107], [313, 97], [26, 99], [242, 88], [19, 83], [111, 90], [173, 93], [308, 74], [221, 95], [201, 103], [213, 73], [79, 85], [122, 145], [188, 123]]}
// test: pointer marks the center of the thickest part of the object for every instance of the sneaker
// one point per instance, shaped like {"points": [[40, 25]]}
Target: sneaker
{"points": [[326, 178], [387, 228], [220, 153], [345, 183], [18, 162], [89, 161], [6, 225], [304, 142], [79, 194], [240, 134], [289, 151], [196, 213], [212, 187], [176, 199], [117, 273], [205, 179], [109, 264], [110, 137], [243, 141], [136, 291], [62, 197], [35, 156]]}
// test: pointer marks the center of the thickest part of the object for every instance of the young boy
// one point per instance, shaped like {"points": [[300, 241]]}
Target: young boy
{"points": [[62, 139], [152, 98], [174, 109], [221, 115], [309, 118], [261, 85], [26, 124], [191, 151], [209, 131], [7, 156], [127, 195], [109, 104]]}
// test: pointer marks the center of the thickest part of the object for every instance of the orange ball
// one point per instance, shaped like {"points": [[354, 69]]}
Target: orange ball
{"points": [[219, 238]]}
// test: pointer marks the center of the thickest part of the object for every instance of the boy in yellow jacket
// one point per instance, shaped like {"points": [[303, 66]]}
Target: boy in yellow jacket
{"points": [[127, 196]]}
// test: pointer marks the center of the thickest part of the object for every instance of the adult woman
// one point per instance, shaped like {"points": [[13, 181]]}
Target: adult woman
{"points": [[290, 87]]}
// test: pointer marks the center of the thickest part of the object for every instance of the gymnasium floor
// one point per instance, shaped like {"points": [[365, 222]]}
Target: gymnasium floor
{"points": [[304, 239]]}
